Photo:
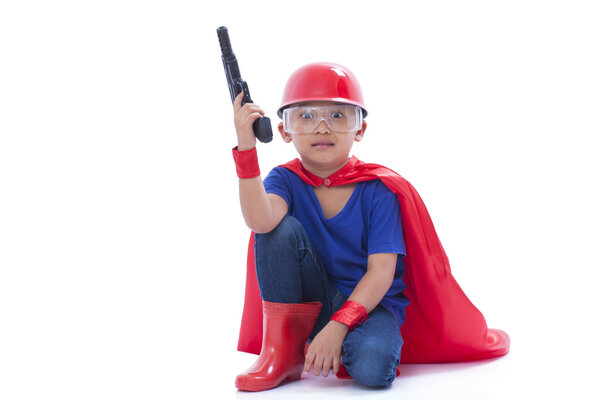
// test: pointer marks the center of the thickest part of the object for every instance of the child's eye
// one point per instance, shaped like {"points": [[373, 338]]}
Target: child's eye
{"points": [[337, 114], [306, 115]]}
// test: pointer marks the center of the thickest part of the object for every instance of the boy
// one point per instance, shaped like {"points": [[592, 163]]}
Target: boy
{"points": [[329, 240]]}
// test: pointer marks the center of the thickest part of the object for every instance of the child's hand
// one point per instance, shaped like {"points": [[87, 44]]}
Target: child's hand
{"points": [[326, 349], [243, 117]]}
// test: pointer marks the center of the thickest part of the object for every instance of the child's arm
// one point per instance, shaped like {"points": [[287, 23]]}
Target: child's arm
{"points": [[325, 350], [262, 212], [376, 281]]}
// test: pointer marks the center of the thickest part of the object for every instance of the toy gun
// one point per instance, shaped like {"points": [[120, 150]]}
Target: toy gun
{"points": [[262, 126]]}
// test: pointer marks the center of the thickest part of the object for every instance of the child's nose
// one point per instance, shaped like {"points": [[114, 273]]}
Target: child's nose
{"points": [[322, 127]]}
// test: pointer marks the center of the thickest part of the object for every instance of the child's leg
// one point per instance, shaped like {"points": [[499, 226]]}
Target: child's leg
{"points": [[372, 350], [289, 269], [292, 280]]}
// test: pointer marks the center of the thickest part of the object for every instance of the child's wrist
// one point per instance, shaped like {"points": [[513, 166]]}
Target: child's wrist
{"points": [[351, 314], [246, 162], [245, 145], [241, 147], [340, 326]]}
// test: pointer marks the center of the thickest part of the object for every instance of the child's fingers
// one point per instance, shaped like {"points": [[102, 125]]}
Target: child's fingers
{"points": [[310, 358], [237, 103], [248, 109], [336, 365], [318, 366], [326, 367], [253, 109], [254, 116]]}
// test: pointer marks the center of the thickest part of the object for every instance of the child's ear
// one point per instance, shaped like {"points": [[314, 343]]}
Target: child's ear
{"points": [[286, 136], [360, 134]]}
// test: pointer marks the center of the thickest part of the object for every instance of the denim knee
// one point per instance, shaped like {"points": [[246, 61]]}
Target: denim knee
{"points": [[370, 363], [283, 234]]}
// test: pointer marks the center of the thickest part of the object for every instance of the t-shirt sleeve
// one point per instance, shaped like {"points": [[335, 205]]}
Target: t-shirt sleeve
{"points": [[385, 225], [278, 182]]}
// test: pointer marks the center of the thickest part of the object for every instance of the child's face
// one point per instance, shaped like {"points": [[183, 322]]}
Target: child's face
{"points": [[328, 140]]}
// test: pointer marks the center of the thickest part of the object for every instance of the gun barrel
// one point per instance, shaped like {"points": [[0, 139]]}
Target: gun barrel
{"points": [[262, 126], [224, 41]]}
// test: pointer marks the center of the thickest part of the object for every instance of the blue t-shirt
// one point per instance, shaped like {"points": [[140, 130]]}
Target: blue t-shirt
{"points": [[369, 223]]}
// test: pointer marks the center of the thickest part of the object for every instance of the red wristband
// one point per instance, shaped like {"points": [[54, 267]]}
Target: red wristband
{"points": [[351, 314], [246, 163]]}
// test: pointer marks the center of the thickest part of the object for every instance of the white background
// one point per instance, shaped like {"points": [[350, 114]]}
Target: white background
{"points": [[122, 247]]}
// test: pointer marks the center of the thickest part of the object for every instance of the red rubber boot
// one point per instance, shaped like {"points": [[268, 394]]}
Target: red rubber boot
{"points": [[286, 328]]}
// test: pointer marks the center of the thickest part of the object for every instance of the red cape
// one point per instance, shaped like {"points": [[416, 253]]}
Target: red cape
{"points": [[441, 325]]}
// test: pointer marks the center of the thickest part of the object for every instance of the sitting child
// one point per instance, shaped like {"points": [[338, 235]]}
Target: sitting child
{"points": [[331, 243]]}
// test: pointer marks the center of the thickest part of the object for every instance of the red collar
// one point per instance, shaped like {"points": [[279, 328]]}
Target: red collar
{"points": [[340, 177]]}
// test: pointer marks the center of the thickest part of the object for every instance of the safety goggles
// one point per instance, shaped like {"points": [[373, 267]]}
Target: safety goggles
{"points": [[340, 118]]}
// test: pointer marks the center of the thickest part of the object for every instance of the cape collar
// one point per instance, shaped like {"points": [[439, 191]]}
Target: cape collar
{"points": [[340, 177]]}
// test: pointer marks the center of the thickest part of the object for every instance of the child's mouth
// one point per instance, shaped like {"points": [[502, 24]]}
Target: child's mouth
{"points": [[322, 144]]}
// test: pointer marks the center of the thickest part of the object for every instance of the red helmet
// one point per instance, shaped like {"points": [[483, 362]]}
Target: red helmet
{"points": [[322, 82]]}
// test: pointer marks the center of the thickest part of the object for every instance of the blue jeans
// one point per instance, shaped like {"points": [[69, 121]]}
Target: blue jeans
{"points": [[289, 270]]}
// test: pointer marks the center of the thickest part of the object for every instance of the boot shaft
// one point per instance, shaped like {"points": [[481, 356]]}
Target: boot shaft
{"points": [[286, 324]]}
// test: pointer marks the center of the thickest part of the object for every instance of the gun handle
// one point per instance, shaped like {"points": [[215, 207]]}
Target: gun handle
{"points": [[261, 126], [262, 129]]}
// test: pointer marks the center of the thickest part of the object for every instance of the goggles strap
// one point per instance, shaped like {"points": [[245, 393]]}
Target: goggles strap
{"points": [[246, 163]]}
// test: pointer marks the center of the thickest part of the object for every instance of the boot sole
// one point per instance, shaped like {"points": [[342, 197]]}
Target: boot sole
{"points": [[247, 384]]}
